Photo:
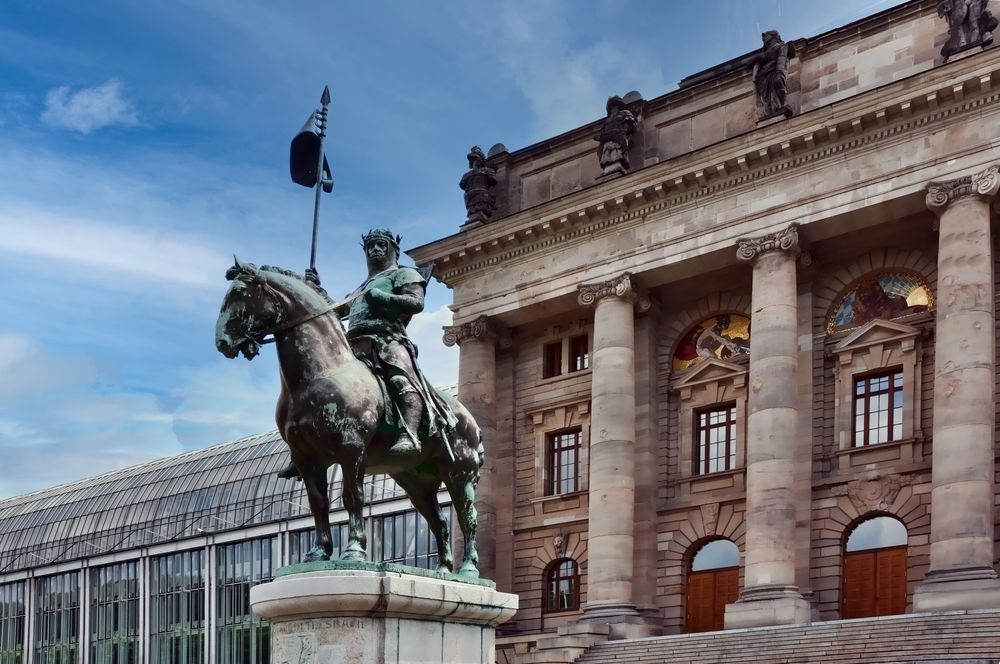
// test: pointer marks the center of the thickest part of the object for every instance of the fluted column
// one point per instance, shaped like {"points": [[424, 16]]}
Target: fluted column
{"points": [[611, 537], [477, 391], [770, 596], [961, 574]]}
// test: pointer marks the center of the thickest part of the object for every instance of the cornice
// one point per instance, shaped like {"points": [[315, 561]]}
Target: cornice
{"points": [[857, 122]]}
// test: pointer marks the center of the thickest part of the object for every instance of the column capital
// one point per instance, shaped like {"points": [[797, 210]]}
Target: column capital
{"points": [[482, 328], [620, 287], [942, 193], [750, 249]]}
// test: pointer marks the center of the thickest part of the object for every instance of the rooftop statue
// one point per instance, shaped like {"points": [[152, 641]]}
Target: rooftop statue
{"points": [[615, 136], [478, 183], [770, 70], [357, 397], [970, 24]]}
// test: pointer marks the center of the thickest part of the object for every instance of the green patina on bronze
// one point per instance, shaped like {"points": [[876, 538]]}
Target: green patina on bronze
{"points": [[356, 397], [390, 568]]}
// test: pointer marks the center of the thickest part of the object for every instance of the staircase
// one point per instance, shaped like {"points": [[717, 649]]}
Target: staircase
{"points": [[952, 637]]}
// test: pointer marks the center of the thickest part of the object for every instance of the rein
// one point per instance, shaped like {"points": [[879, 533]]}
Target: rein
{"points": [[295, 322]]}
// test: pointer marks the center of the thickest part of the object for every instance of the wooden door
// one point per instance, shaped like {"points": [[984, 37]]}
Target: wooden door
{"points": [[874, 583], [708, 592]]}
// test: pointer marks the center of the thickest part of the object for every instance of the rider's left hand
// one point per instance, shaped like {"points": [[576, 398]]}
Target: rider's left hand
{"points": [[377, 296]]}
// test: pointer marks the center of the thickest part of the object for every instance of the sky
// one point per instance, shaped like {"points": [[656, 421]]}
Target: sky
{"points": [[144, 144]]}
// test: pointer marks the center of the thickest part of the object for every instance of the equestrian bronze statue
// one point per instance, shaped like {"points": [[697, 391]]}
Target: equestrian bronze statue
{"points": [[356, 397]]}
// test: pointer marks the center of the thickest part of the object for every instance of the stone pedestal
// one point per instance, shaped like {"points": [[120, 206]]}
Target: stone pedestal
{"points": [[961, 574], [367, 613], [770, 596]]}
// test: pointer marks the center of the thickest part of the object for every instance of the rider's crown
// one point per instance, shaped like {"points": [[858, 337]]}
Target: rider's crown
{"points": [[381, 234]]}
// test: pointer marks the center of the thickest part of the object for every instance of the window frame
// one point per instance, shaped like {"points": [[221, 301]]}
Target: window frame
{"points": [[552, 577], [553, 476], [892, 373], [701, 462]]}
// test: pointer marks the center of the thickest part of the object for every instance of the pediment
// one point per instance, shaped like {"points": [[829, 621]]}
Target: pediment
{"points": [[710, 369], [877, 331]]}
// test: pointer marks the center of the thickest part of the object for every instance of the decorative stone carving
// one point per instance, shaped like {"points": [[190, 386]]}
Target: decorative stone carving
{"points": [[749, 249], [620, 286], [559, 544], [770, 71], [710, 517], [480, 328], [941, 194], [478, 183], [868, 495], [970, 24], [615, 137]]}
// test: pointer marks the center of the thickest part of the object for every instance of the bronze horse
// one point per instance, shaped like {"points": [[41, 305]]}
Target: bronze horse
{"points": [[332, 410]]}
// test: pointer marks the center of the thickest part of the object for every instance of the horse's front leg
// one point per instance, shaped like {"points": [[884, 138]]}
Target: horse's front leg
{"points": [[353, 468], [462, 487], [319, 504]]}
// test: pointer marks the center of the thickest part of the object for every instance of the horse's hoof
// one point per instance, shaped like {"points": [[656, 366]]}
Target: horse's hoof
{"points": [[443, 569], [469, 570], [353, 555], [317, 553]]}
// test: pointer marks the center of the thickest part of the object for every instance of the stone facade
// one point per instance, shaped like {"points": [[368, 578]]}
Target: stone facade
{"points": [[854, 237]]}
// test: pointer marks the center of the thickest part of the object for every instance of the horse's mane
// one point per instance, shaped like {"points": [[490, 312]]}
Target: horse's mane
{"points": [[295, 275]]}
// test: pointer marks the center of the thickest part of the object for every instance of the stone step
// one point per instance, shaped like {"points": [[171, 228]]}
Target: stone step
{"points": [[955, 636]]}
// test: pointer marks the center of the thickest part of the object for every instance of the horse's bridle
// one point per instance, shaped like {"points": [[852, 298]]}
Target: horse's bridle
{"points": [[260, 338]]}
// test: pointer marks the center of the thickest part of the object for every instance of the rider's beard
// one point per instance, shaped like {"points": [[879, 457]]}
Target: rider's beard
{"points": [[380, 263]]}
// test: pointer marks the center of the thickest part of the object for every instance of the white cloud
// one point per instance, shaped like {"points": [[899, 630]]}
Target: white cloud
{"points": [[438, 362], [89, 108], [49, 399], [149, 254], [567, 85]]}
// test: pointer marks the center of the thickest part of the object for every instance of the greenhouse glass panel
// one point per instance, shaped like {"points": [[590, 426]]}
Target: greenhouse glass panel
{"points": [[242, 637], [12, 623], [114, 614], [177, 608], [57, 618]]}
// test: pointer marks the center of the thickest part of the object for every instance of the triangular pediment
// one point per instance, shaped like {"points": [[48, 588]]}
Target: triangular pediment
{"points": [[710, 369], [877, 331]]}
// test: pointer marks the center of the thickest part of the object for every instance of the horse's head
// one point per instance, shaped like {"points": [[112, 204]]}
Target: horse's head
{"points": [[251, 310]]}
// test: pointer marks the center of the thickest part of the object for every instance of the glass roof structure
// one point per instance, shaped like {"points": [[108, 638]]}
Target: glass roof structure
{"points": [[227, 486]]}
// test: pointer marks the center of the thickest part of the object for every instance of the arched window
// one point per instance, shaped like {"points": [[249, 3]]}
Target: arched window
{"points": [[562, 586], [874, 579], [713, 581]]}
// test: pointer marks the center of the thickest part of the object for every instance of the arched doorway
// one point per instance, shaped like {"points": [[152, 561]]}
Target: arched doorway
{"points": [[713, 581], [874, 575]]}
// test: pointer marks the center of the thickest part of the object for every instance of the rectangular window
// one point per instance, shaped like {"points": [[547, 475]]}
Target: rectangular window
{"points": [[12, 623], [114, 614], [579, 353], [177, 608], [404, 538], [243, 638], [563, 462], [57, 630], [878, 408], [552, 359], [715, 439]]}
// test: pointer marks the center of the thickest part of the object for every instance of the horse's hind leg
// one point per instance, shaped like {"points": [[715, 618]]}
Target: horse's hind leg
{"points": [[462, 488], [319, 504], [422, 490], [353, 468]]}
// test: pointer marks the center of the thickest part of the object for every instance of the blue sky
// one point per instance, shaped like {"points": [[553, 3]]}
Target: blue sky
{"points": [[142, 144]]}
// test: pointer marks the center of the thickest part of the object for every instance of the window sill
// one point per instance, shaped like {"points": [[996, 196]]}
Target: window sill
{"points": [[564, 376], [893, 450], [558, 496]]}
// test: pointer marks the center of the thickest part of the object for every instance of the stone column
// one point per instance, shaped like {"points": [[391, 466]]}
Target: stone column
{"points": [[477, 392], [961, 574], [611, 537], [770, 596]]}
